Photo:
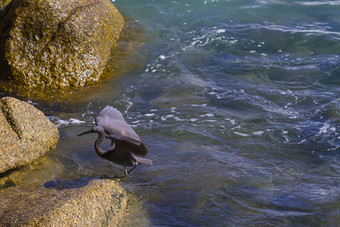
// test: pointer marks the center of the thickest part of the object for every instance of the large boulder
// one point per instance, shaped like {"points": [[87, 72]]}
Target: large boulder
{"points": [[56, 43], [26, 134], [82, 202]]}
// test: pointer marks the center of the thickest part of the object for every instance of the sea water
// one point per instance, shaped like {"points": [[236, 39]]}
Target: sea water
{"points": [[238, 104]]}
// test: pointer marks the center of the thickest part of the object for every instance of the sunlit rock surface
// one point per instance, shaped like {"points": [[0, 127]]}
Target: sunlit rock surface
{"points": [[4, 3], [57, 44], [26, 134], [82, 202]]}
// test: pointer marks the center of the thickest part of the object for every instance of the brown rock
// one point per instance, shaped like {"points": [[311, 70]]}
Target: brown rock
{"points": [[82, 202], [62, 44], [26, 134]]}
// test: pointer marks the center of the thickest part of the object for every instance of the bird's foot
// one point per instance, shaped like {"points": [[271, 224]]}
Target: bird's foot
{"points": [[117, 177], [120, 177], [126, 173]]}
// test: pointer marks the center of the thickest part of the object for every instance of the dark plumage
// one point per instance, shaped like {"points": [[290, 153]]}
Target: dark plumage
{"points": [[125, 143]]}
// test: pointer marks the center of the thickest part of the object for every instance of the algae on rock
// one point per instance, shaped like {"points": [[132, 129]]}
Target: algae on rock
{"points": [[62, 44]]}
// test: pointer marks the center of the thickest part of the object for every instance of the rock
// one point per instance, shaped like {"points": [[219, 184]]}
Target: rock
{"points": [[83, 202], [4, 3], [44, 169], [26, 134], [62, 44]]}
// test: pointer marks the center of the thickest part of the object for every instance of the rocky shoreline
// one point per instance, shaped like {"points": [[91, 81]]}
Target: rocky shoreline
{"points": [[62, 45], [26, 136]]}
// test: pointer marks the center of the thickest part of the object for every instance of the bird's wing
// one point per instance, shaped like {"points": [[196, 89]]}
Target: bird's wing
{"points": [[109, 113], [123, 138], [122, 131], [115, 125]]}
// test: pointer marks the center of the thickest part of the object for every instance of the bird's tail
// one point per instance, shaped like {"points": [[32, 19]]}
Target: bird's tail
{"points": [[143, 160]]}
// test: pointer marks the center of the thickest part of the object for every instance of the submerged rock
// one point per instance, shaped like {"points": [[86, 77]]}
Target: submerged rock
{"points": [[62, 44], [83, 202], [26, 134], [44, 169]]}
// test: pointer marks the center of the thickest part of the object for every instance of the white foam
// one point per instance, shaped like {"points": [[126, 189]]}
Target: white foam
{"points": [[149, 114], [32, 103], [325, 128], [60, 122], [221, 30], [76, 121], [237, 127], [241, 134], [258, 133], [317, 3], [232, 121], [129, 105], [198, 104]]}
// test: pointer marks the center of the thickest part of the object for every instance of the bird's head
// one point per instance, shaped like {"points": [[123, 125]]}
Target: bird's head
{"points": [[96, 129]]}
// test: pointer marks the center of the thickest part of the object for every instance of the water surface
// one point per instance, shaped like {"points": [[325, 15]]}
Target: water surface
{"points": [[238, 103]]}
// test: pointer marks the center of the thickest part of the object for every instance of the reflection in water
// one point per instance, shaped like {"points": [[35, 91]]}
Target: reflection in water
{"points": [[44, 169]]}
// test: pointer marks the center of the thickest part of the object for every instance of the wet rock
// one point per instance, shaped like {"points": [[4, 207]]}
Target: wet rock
{"points": [[4, 3], [44, 169], [62, 44], [83, 202], [25, 133]]}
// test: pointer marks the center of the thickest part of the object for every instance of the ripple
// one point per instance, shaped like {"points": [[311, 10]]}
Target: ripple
{"points": [[318, 3]]}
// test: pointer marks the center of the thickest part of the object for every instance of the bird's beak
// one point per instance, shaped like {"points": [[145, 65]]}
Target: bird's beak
{"points": [[87, 132]]}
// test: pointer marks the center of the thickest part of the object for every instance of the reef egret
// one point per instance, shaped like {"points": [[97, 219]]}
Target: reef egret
{"points": [[125, 143]]}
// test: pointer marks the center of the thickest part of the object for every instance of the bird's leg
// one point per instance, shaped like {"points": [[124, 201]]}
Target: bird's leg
{"points": [[134, 167], [121, 177], [126, 172]]}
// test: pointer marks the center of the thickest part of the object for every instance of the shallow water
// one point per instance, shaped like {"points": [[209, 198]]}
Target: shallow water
{"points": [[238, 103]]}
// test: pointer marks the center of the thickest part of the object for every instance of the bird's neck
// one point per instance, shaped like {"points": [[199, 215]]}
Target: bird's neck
{"points": [[97, 147]]}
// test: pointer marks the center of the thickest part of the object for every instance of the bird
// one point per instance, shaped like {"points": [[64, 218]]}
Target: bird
{"points": [[125, 143]]}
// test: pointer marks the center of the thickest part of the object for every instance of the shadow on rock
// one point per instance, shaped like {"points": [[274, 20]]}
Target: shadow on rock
{"points": [[67, 184], [94, 201]]}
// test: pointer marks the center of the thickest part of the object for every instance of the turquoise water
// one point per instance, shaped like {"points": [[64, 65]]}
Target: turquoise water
{"points": [[238, 103]]}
